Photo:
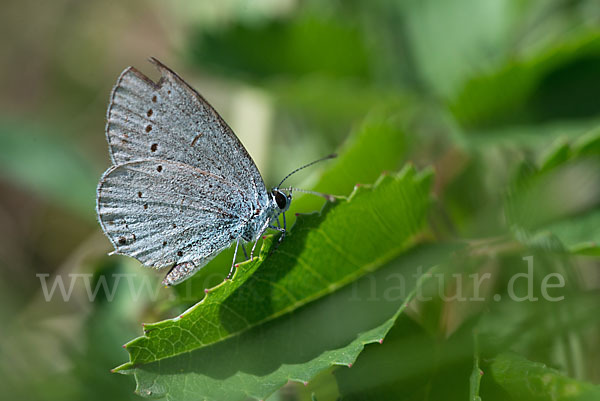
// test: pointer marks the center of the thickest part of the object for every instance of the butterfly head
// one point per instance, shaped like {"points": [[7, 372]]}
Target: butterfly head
{"points": [[281, 199]]}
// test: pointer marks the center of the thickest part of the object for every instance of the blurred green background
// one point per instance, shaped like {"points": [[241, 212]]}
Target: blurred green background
{"points": [[482, 90]]}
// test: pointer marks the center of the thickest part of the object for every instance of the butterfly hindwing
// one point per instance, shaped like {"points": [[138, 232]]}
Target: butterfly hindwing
{"points": [[163, 212]]}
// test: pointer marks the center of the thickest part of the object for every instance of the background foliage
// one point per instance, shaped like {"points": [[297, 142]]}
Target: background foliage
{"points": [[472, 127]]}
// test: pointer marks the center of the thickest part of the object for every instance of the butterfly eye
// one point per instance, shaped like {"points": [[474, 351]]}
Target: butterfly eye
{"points": [[281, 200]]}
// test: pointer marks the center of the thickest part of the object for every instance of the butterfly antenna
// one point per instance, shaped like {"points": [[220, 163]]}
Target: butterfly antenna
{"points": [[331, 156], [330, 198]]}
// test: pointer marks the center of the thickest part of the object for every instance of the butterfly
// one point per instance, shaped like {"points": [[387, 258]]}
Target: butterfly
{"points": [[182, 187]]}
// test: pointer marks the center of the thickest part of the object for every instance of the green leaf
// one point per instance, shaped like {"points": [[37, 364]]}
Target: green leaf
{"points": [[297, 346], [445, 49], [410, 365], [332, 105], [307, 43], [559, 197], [532, 381], [322, 253], [475, 379], [533, 86], [579, 234], [534, 136]]}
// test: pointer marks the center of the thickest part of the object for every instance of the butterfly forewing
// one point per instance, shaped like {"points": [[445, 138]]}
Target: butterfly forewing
{"points": [[169, 120], [163, 212]]}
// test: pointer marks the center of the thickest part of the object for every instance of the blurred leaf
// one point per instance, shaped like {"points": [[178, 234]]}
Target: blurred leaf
{"points": [[470, 195], [579, 234], [476, 373], [380, 144], [537, 329], [561, 196], [532, 381], [306, 43], [30, 156], [415, 364], [333, 105], [540, 197], [532, 136], [447, 47], [534, 87]]}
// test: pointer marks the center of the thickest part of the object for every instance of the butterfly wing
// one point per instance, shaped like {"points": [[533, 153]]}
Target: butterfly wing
{"points": [[163, 212], [169, 120]]}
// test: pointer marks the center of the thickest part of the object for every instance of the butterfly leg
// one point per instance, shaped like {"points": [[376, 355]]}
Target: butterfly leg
{"points": [[245, 253], [281, 230], [230, 274], [284, 224]]}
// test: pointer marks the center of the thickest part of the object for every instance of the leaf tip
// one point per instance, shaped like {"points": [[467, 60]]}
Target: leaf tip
{"points": [[124, 369]]}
